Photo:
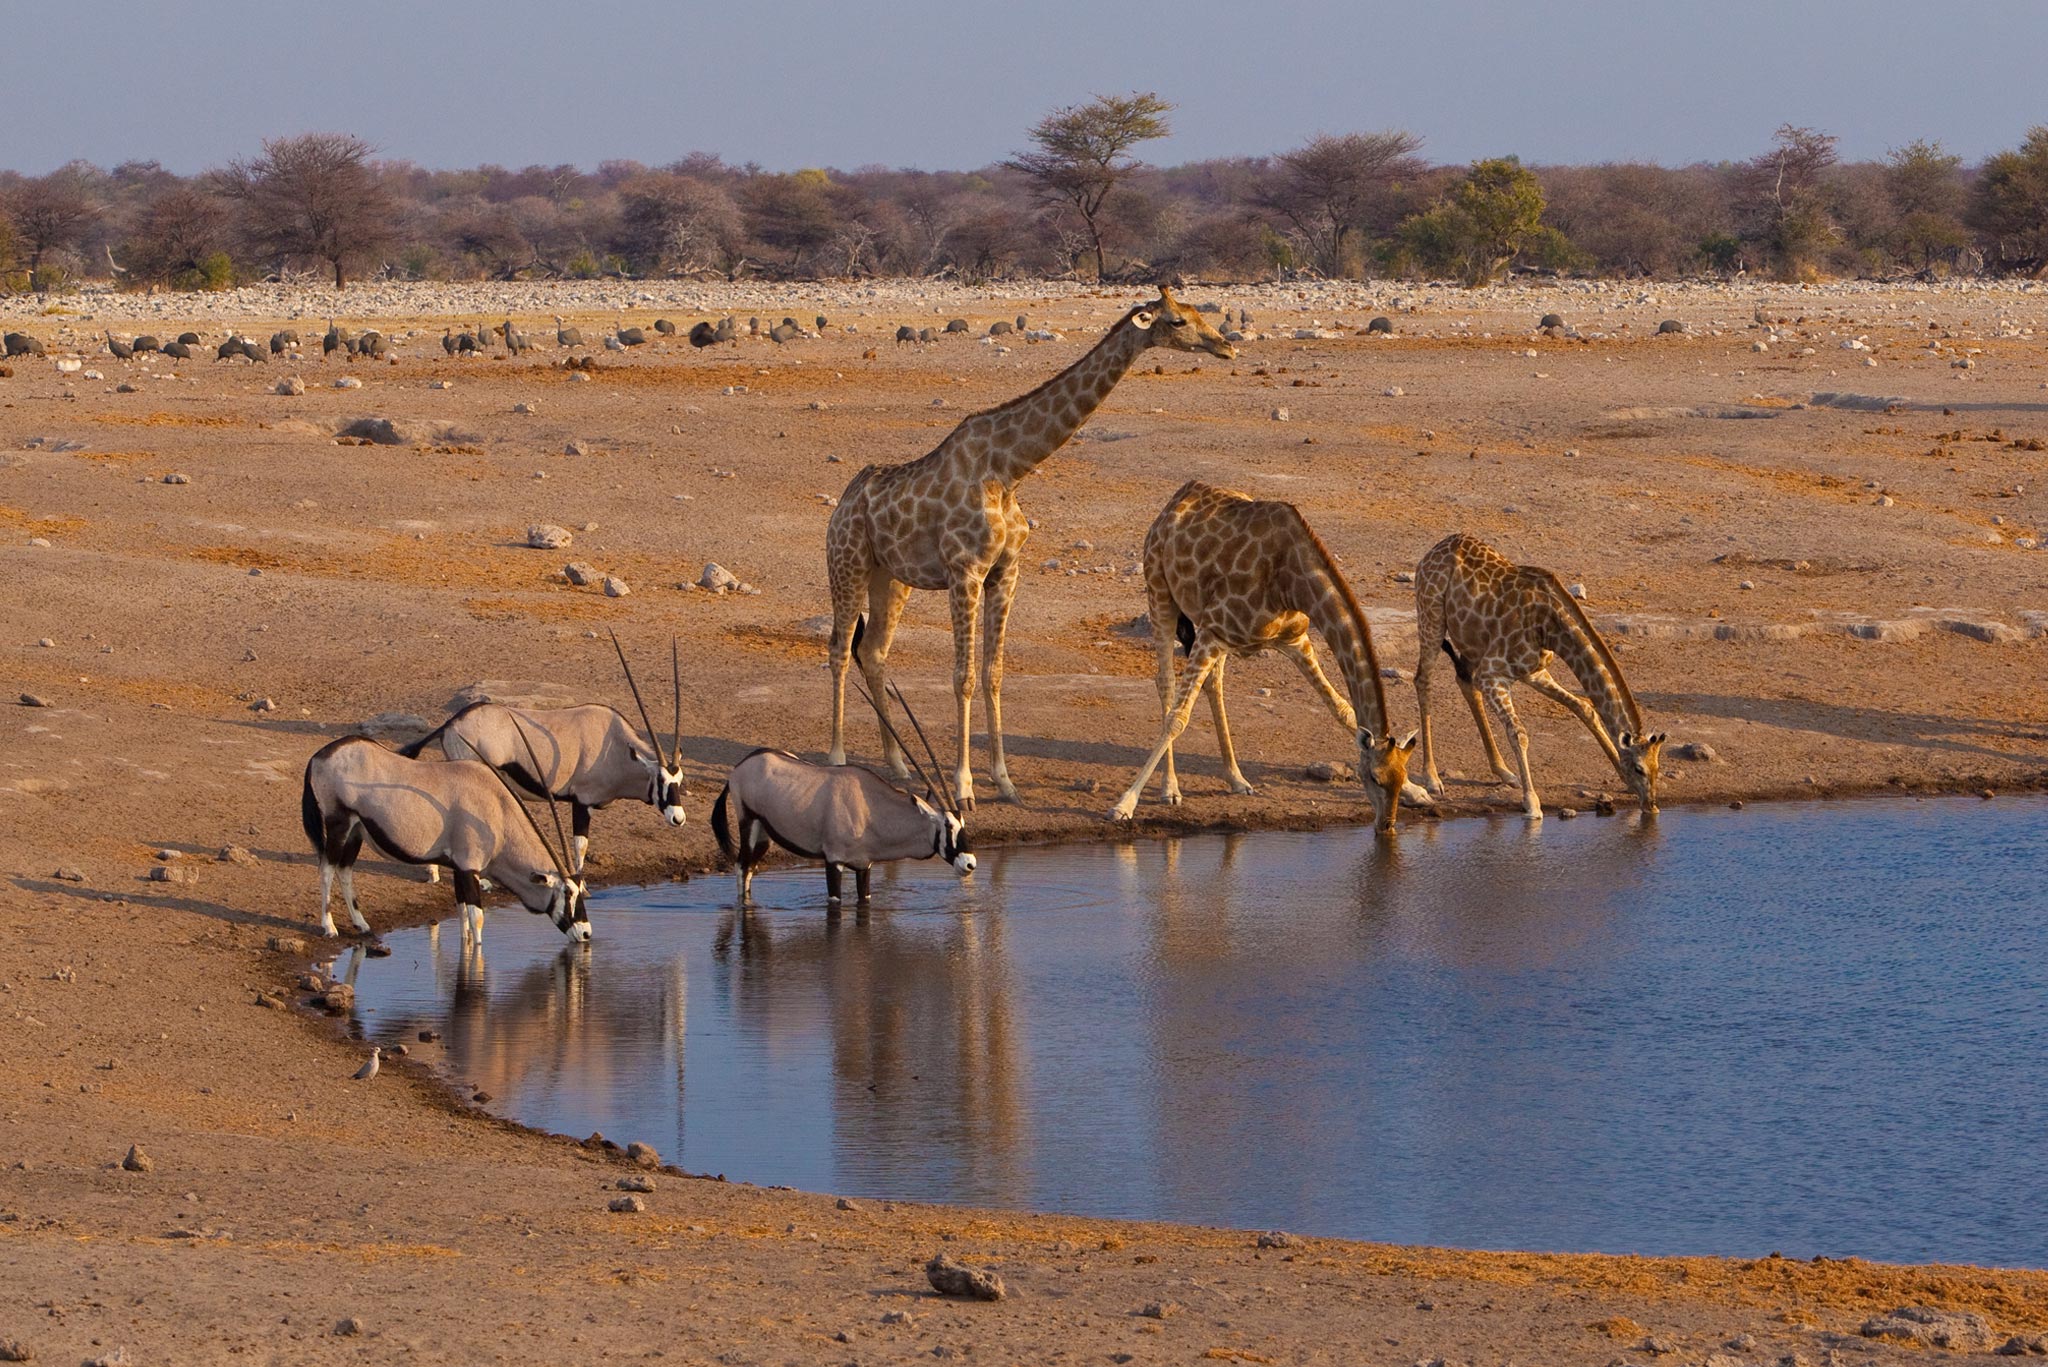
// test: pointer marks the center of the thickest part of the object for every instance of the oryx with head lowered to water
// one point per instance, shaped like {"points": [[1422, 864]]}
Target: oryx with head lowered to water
{"points": [[460, 813], [845, 815], [587, 756]]}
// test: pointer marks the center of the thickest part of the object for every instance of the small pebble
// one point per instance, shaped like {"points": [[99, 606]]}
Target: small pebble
{"points": [[627, 1205]]}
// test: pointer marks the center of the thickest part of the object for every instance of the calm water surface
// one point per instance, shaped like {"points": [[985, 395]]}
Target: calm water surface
{"points": [[1814, 1029]]}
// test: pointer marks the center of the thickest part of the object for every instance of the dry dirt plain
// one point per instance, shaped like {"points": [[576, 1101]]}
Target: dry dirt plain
{"points": [[1838, 598]]}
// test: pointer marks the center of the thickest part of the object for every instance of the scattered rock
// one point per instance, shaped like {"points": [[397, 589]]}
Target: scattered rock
{"points": [[949, 1278], [717, 578], [1962, 1330], [2023, 1345], [639, 1184], [525, 410], [615, 587], [903, 1317], [35, 700], [1576, 590], [263, 705], [546, 536], [575, 448], [1280, 415], [348, 382], [137, 1161], [643, 1154], [1161, 1310], [1278, 1238], [291, 386], [338, 998], [843, 1204], [14, 1350], [70, 875], [1323, 771], [579, 574], [176, 478], [349, 1328], [429, 1036], [1393, 391], [270, 1001], [627, 1205], [235, 854], [171, 873], [1697, 751]]}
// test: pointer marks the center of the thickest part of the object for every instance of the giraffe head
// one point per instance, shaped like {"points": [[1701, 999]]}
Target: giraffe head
{"points": [[1383, 769], [1639, 756], [1167, 322]]}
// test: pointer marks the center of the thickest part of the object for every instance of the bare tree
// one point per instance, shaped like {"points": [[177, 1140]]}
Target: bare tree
{"points": [[1083, 155], [313, 197], [178, 238], [1784, 198], [51, 214], [678, 223], [1330, 188]]}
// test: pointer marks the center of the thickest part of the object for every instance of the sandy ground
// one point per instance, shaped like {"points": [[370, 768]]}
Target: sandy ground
{"points": [[1835, 599]]}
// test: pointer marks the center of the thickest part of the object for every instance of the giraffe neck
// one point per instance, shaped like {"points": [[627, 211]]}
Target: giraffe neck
{"points": [[1332, 609], [1026, 430], [1576, 643]]}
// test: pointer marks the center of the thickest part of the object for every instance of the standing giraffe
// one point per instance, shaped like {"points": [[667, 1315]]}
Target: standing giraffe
{"points": [[1230, 575], [950, 521], [1501, 622]]}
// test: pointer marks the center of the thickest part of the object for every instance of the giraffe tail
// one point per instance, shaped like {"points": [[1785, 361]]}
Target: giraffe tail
{"points": [[1184, 632], [860, 629], [1459, 664]]}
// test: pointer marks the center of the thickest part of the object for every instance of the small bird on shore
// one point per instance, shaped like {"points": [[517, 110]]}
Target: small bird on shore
{"points": [[369, 1070]]}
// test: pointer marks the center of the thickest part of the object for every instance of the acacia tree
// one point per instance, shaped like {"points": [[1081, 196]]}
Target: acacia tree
{"points": [[313, 197], [2010, 205], [678, 223], [1784, 199], [1329, 188], [1083, 155], [1924, 184], [1488, 218], [178, 239]]}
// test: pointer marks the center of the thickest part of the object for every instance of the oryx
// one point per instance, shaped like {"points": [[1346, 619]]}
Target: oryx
{"points": [[588, 755], [848, 816], [460, 813]]}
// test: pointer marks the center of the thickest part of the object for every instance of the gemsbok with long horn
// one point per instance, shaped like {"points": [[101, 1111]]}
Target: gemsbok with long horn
{"points": [[848, 816], [460, 813], [588, 756]]}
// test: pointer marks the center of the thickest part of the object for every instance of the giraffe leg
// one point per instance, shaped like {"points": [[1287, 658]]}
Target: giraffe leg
{"points": [[1192, 676], [1430, 777], [886, 598], [1546, 684], [846, 587], [1304, 656], [995, 621], [1503, 706], [964, 597], [1429, 639], [1493, 756], [1213, 686], [1165, 623]]}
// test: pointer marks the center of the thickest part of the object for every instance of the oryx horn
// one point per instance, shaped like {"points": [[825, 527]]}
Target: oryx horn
{"points": [[653, 736], [906, 751], [554, 809], [918, 726]]}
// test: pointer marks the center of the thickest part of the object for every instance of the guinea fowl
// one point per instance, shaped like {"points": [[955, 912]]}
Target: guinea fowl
{"points": [[664, 327], [632, 336], [703, 335], [123, 351], [567, 336], [145, 343]]}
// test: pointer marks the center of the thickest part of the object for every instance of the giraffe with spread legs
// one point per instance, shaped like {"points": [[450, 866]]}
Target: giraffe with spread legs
{"points": [[949, 522], [1501, 623], [1230, 575]]}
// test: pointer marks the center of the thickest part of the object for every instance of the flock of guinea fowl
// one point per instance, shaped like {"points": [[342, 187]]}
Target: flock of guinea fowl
{"points": [[1225, 575]]}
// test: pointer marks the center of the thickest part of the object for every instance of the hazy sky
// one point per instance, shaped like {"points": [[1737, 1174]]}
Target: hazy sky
{"points": [[921, 83]]}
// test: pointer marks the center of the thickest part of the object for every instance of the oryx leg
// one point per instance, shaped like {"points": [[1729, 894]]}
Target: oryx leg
{"points": [[433, 873], [753, 846], [860, 883], [1001, 584], [1192, 676], [1503, 707], [1213, 686], [342, 842], [579, 839], [832, 882], [469, 905], [886, 598], [1543, 682], [964, 597]]}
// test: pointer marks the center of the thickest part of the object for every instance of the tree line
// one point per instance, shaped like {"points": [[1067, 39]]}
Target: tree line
{"points": [[1075, 201]]}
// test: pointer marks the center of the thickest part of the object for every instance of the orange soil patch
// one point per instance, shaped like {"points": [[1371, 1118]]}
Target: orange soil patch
{"points": [[165, 420], [39, 526]]}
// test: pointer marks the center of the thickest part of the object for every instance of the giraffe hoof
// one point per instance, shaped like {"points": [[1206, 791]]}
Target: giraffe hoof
{"points": [[1243, 789], [1122, 811]]}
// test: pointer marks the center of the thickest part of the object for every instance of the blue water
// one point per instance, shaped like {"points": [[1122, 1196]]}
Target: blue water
{"points": [[1810, 1029]]}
